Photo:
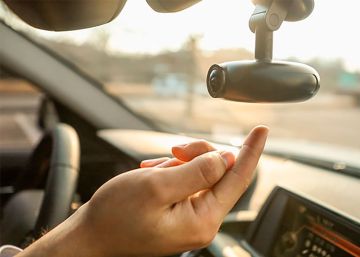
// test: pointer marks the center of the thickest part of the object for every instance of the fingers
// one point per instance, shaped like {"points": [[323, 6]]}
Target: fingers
{"points": [[182, 153], [153, 162], [170, 163], [190, 151], [236, 180], [201, 173], [163, 162]]}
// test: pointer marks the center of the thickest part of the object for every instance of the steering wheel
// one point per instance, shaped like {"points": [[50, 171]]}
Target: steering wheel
{"points": [[62, 178], [58, 153]]}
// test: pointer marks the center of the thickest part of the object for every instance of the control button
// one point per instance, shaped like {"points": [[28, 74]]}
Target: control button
{"points": [[305, 252], [323, 253], [307, 243], [314, 248]]}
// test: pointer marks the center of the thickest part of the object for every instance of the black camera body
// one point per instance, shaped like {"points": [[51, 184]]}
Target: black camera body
{"points": [[264, 80]]}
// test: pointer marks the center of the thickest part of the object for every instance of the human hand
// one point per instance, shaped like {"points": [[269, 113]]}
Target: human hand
{"points": [[166, 207]]}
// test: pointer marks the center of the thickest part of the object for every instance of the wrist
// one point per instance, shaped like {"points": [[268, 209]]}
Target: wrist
{"points": [[72, 238]]}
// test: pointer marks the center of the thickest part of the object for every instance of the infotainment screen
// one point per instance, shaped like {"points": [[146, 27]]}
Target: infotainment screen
{"points": [[304, 231], [290, 225]]}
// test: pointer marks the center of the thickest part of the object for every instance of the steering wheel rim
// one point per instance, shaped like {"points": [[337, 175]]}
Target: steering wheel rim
{"points": [[62, 178], [53, 167]]}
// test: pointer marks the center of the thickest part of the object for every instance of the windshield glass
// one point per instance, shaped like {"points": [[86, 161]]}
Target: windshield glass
{"points": [[157, 64]]}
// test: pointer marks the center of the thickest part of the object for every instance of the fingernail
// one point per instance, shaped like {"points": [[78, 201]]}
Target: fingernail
{"points": [[149, 162], [180, 146], [228, 158], [144, 164]]}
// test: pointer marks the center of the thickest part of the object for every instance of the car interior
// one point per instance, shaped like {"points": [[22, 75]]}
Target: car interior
{"points": [[304, 199]]}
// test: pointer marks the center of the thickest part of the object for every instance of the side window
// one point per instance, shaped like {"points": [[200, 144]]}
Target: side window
{"points": [[19, 105]]}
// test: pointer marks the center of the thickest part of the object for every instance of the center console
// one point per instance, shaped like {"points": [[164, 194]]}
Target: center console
{"points": [[290, 225]]}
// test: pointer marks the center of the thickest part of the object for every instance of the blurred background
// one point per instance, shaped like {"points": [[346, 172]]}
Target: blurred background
{"points": [[157, 64]]}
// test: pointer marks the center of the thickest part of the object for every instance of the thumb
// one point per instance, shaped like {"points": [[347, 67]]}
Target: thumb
{"points": [[201, 173]]}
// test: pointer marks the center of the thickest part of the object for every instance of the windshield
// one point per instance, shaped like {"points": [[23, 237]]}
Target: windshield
{"points": [[157, 64]]}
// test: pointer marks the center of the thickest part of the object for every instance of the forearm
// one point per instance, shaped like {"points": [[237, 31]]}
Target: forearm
{"points": [[69, 239]]}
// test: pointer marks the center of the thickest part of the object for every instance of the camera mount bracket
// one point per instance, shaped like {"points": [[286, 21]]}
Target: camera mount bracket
{"points": [[268, 17]]}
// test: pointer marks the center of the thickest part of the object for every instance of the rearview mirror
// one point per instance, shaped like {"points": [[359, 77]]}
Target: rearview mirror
{"points": [[62, 15], [167, 6]]}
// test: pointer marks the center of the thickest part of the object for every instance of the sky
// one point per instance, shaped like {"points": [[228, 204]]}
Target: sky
{"points": [[331, 31]]}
